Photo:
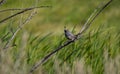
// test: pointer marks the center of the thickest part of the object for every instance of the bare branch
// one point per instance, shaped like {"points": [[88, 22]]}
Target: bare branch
{"points": [[24, 10], [48, 56], [11, 9], [15, 9], [92, 18], [19, 27], [84, 28]]}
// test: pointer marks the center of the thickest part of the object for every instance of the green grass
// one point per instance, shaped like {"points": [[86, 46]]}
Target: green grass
{"points": [[91, 47], [97, 52]]}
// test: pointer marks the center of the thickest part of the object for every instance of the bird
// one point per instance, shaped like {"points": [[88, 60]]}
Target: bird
{"points": [[68, 34]]}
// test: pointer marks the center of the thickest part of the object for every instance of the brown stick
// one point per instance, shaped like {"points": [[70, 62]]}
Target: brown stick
{"points": [[84, 28]]}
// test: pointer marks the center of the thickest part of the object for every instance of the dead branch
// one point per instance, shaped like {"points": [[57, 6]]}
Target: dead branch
{"points": [[19, 27], [15, 9], [78, 36], [11, 9], [92, 18], [20, 12]]}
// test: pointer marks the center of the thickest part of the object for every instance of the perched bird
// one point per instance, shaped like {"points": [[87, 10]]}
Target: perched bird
{"points": [[68, 34]]}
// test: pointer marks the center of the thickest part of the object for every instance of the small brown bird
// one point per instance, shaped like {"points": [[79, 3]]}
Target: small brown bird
{"points": [[68, 34]]}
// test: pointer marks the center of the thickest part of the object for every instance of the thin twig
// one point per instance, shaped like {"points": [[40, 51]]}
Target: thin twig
{"points": [[14, 9], [11, 9], [84, 28], [92, 18], [48, 56], [24, 10], [19, 27]]}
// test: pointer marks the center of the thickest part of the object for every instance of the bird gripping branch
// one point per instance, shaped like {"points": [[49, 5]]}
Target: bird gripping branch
{"points": [[68, 34]]}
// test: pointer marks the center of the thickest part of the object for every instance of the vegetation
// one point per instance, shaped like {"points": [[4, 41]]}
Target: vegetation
{"points": [[96, 52]]}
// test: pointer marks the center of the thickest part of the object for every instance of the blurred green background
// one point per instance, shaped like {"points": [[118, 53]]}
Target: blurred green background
{"points": [[64, 12]]}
